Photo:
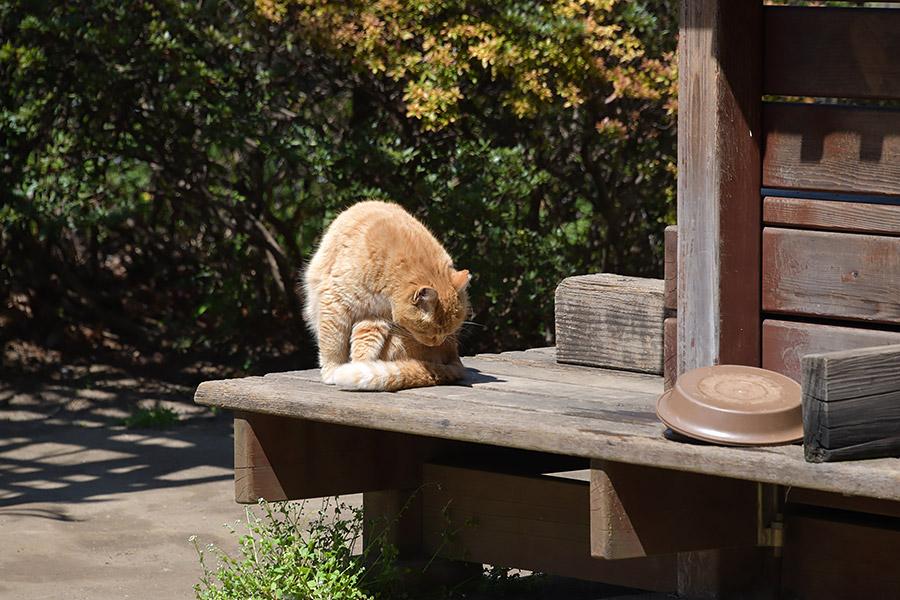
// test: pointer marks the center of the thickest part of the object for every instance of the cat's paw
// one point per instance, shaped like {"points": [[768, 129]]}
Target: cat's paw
{"points": [[328, 375]]}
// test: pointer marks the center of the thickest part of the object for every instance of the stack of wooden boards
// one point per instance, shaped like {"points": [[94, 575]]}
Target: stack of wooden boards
{"points": [[851, 404]]}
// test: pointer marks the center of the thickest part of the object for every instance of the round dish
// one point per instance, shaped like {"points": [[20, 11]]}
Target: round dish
{"points": [[734, 405]]}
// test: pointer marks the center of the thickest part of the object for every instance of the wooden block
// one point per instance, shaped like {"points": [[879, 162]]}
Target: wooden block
{"points": [[280, 458], [851, 404], [826, 558], [857, 217], [612, 321], [644, 511], [539, 523], [832, 52], [785, 343], [829, 274], [829, 148]]}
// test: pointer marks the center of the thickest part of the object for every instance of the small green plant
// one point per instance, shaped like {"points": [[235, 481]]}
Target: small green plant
{"points": [[148, 418], [287, 554]]}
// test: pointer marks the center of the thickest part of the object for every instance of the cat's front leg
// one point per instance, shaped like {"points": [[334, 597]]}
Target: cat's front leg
{"points": [[334, 330], [368, 339]]}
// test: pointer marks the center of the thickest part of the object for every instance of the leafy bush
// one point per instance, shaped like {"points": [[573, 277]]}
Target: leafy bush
{"points": [[168, 166], [288, 555]]}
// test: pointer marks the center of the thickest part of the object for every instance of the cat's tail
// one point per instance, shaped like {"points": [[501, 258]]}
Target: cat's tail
{"points": [[388, 376]]}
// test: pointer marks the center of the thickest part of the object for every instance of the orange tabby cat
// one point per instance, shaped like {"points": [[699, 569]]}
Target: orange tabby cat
{"points": [[383, 299]]}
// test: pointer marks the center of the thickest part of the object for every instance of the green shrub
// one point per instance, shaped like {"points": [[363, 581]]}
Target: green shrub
{"points": [[287, 554], [166, 167]]}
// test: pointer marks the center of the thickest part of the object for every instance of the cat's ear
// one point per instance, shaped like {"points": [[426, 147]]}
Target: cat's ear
{"points": [[461, 280], [425, 298]]}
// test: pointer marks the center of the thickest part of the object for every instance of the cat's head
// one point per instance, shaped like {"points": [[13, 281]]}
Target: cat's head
{"points": [[432, 312]]}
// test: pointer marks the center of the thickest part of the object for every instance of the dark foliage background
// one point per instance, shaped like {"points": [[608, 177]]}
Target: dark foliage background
{"points": [[167, 166]]}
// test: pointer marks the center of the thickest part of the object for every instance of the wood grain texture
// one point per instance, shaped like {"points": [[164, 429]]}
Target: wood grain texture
{"points": [[785, 343], [537, 523], [670, 349], [613, 417], [831, 274], [851, 404], [829, 559], [642, 511], [832, 148], [611, 321], [719, 213], [858, 217], [670, 271], [832, 52]]}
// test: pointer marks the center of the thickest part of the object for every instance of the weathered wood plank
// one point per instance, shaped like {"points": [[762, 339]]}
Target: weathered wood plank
{"points": [[851, 404], [829, 274], [642, 511], [622, 435], [832, 52], [538, 523], [612, 321], [832, 148], [719, 137], [785, 343], [852, 374], [858, 217]]}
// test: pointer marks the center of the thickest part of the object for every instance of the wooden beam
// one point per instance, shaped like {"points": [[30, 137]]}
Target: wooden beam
{"points": [[280, 458], [851, 404], [642, 511], [719, 209], [611, 321], [533, 522]]}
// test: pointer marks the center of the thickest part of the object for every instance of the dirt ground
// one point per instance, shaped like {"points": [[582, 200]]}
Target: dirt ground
{"points": [[90, 509]]}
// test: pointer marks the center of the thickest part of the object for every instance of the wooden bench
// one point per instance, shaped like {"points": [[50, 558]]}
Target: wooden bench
{"points": [[787, 244], [556, 468]]}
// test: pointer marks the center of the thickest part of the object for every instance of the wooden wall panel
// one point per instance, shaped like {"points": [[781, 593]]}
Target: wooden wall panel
{"points": [[827, 559], [847, 53], [825, 274], [832, 148], [785, 343], [860, 217]]}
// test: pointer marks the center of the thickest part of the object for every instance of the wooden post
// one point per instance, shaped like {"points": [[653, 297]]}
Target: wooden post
{"points": [[719, 205]]}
